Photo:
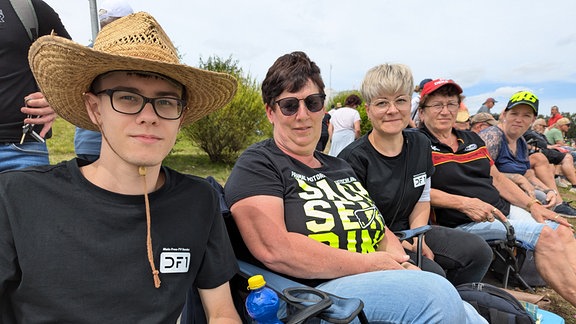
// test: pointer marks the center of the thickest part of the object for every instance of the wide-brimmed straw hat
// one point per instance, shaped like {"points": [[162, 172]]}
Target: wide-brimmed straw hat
{"points": [[65, 69]]}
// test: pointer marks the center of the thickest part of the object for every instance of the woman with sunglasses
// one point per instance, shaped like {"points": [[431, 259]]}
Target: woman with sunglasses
{"points": [[304, 214]]}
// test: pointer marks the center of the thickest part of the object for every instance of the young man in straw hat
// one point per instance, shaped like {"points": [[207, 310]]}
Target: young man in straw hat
{"points": [[121, 239]]}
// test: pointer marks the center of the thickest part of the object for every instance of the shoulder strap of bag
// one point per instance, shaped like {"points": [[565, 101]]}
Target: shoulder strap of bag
{"points": [[25, 11]]}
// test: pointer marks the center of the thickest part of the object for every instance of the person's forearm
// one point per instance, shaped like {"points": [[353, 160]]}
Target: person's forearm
{"points": [[420, 215], [516, 178], [441, 199], [303, 257], [510, 191]]}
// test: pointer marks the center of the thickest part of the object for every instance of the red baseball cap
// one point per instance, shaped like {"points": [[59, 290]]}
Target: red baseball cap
{"points": [[434, 85]]}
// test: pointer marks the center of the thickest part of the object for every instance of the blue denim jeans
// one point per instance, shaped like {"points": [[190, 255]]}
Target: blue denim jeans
{"points": [[405, 296], [525, 226], [18, 156]]}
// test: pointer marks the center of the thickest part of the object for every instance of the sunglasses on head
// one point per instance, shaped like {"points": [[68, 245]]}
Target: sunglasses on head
{"points": [[290, 105]]}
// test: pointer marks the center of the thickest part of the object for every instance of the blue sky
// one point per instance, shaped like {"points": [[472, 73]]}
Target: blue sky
{"points": [[491, 48]]}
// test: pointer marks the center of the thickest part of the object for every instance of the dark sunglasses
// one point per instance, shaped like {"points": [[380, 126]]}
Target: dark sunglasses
{"points": [[289, 106]]}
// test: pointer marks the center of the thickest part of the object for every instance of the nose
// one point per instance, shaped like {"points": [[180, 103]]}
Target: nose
{"points": [[302, 109], [148, 113]]}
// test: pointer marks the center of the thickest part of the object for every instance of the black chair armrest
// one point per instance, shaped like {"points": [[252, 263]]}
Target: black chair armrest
{"points": [[410, 233], [339, 310], [415, 232]]}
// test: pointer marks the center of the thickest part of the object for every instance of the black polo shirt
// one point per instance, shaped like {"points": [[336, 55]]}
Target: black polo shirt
{"points": [[465, 172]]}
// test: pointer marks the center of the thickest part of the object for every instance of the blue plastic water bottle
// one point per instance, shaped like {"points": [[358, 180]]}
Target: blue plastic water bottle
{"points": [[262, 302]]}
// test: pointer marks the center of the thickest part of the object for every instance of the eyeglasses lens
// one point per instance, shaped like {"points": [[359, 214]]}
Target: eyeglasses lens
{"points": [[289, 106]]}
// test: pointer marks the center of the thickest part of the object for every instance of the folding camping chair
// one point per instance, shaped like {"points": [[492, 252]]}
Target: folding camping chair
{"points": [[509, 257]]}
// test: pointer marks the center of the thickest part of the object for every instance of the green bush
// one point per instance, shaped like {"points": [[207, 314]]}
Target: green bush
{"points": [[228, 131]]}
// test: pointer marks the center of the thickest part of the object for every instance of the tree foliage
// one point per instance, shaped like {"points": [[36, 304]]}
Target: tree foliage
{"points": [[227, 131]]}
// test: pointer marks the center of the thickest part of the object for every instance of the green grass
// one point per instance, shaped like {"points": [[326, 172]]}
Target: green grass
{"points": [[185, 156]]}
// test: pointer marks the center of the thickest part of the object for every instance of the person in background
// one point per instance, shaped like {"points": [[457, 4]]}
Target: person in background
{"points": [[509, 151], [21, 102], [555, 115], [395, 165], [325, 134], [124, 238], [487, 105], [345, 124], [565, 174], [556, 134], [414, 119], [304, 214], [86, 142], [469, 193], [462, 118], [481, 121]]}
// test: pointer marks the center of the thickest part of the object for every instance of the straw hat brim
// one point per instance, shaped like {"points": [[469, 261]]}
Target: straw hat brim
{"points": [[65, 70]]}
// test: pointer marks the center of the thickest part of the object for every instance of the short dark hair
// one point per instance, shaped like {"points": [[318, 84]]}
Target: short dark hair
{"points": [[353, 101], [290, 73]]}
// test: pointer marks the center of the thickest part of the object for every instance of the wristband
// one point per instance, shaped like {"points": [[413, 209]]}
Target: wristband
{"points": [[532, 202]]}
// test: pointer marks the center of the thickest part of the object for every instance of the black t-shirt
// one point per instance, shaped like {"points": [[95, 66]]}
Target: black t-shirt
{"points": [[16, 79], [72, 252], [406, 173], [465, 172], [327, 204], [535, 139]]}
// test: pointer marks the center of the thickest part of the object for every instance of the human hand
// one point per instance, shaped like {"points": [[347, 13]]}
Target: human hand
{"points": [[427, 252], [40, 112], [540, 214], [409, 266], [388, 261], [479, 211], [551, 198]]}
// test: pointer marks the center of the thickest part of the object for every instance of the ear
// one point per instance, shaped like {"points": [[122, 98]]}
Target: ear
{"points": [[92, 104], [270, 114]]}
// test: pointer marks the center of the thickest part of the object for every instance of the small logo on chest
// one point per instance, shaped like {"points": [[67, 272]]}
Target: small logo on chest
{"points": [[174, 262], [419, 179]]}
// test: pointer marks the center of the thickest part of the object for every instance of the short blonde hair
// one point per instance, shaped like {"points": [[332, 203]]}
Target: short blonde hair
{"points": [[387, 78], [539, 121]]}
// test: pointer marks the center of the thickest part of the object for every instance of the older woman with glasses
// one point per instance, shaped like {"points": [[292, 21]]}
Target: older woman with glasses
{"points": [[304, 214], [469, 193], [395, 165]]}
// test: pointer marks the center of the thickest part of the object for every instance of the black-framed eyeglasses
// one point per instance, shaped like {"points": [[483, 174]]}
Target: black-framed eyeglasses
{"points": [[130, 103], [290, 105], [438, 106]]}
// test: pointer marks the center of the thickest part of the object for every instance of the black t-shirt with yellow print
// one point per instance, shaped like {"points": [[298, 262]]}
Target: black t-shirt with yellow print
{"points": [[327, 204]]}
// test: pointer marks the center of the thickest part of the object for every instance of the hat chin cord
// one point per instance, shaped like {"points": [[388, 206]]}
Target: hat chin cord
{"points": [[150, 252], [142, 172]]}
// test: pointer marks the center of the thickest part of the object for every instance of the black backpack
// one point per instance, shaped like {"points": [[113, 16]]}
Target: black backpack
{"points": [[494, 304]]}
